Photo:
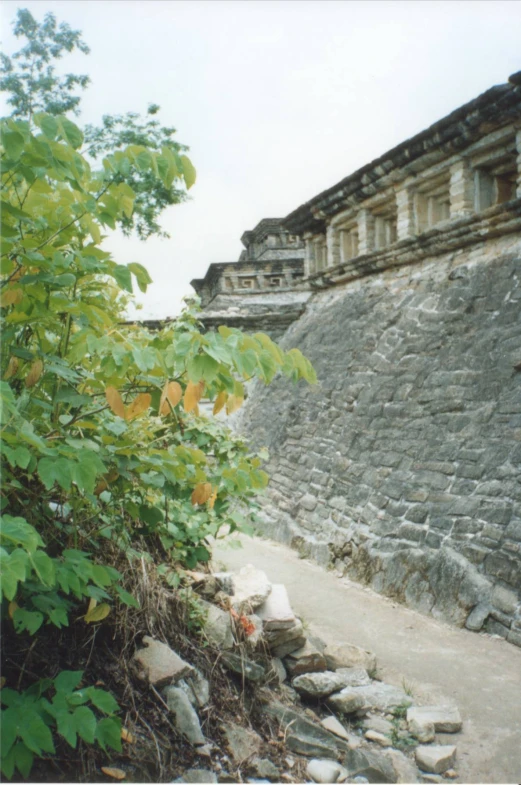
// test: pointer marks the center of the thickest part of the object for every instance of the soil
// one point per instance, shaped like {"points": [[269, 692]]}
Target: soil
{"points": [[433, 661]]}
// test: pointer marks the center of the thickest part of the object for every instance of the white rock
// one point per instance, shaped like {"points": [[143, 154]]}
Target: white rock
{"points": [[446, 719], [347, 701], [318, 685], [379, 738], [326, 771], [436, 758], [251, 588], [405, 770], [380, 696], [334, 726], [159, 664], [422, 729], [345, 655], [186, 719], [275, 612]]}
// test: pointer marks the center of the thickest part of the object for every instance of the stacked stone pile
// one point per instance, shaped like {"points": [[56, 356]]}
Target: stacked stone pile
{"points": [[338, 722]]}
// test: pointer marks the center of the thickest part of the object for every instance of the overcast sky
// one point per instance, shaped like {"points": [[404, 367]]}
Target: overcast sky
{"points": [[277, 99]]}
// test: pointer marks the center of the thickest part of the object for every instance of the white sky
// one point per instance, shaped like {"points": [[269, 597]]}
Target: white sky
{"points": [[277, 99]]}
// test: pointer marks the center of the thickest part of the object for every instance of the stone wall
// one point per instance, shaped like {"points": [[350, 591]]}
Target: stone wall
{"points": [[401, 468]]}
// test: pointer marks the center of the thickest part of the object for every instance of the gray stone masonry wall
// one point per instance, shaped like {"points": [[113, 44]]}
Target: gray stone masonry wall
{"points": [[401, 468]]}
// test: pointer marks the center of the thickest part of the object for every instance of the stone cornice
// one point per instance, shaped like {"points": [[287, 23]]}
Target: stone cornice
{"points": [[496, 221], [496, 107]]}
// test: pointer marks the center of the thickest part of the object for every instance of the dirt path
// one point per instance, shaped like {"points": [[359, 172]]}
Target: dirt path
{"points": [[479, 673]]}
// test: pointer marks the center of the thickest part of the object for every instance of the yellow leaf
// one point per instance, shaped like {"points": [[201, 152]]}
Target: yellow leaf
{"points": [[97, 614], [192, 397], [201, 493], [126, 735], [213, 497], [140, 404], [11, 608], [12, 367], [233, 403], [2, 682], [35, 371], [170, 397], [115, 401], [117, 774], [101, 486], [12, 297], [220, 401]]}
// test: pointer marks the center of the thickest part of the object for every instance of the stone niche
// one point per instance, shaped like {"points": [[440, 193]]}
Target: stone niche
{"points": [[402, 467]]}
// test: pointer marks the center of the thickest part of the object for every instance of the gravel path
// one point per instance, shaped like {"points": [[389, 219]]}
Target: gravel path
{"points": [[481, 674]]}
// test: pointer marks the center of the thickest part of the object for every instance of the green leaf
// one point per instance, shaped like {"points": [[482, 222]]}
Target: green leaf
{"points": [[23, 758], [108, 733], [102, 700], [85, 724], [67, 681], [126, 597], [71, 133], [13, 568], [36, 734], [48, 124], [27, 620], [13, 143], [189, 173], [142, 276], [44, 566], [51, 470], [16, 531], [123, 277], [202, 367], [7, 763], [8, 730]]}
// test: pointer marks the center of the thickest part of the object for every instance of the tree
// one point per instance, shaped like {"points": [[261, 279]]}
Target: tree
{"points": [[30, 78], [104, 453]]}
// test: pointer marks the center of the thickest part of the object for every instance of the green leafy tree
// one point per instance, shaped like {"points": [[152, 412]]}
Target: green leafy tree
{"points": [[102, 438], [30, 79]]}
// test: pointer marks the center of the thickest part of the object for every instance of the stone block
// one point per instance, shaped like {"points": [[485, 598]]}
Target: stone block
{"points": [[326, 771], [374, 766], [307, 659], [319, 685], [251, 588], [218, 626], [242, 743], [159, 664], [445, 719], [435, 758], [346, 655], [186, 719], [276, 612], [504, 599]]}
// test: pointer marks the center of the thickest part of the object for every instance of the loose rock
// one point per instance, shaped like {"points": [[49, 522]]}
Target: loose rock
{"points": [[265, 768], [186, 719], [347, 701], [380, 696], [318, 685], [242, 743], [326, 771], [435, 758], [251, 588], [244, 667], [196, 688], [379, 738], [307, 659], [345, 655], [404, 769], [199, 775], [422, 729], [334, 726], [303, 736], [275, 612], [218, 626], [372, 765], [159, 664], [446, 719], [378, 723]]}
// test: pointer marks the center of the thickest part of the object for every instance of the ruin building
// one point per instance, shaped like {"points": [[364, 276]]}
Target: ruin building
{"points": [[264, 290], [402, 467]]}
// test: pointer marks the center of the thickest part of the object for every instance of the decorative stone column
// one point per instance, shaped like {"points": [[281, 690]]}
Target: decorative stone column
{"points": [[365, 221], [461, 190], [333, 246], [405, 213], [518, 147], [309, 259]]}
